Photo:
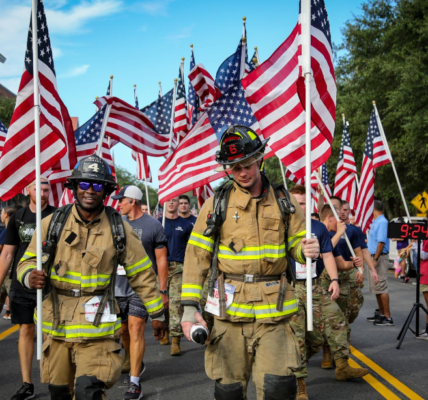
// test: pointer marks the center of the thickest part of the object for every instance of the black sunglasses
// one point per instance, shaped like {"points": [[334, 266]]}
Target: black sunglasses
{"points": [[98, 187]]}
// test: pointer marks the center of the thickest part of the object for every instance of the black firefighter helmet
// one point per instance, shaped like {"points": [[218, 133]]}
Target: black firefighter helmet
{"points": [[239, 143], [92, 169]]}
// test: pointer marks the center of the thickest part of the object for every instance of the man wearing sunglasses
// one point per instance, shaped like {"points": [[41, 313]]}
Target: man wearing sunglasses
{"points": [[81, 354], [253, 335]]}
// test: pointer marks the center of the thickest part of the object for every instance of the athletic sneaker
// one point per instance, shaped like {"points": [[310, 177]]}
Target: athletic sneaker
{"points": [[422, 336], [25, 392], [134, 392], [6, 315], [375, 316], [384, 322]]}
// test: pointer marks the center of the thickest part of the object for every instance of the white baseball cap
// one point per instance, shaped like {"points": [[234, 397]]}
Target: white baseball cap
{"points": [[130, 191]]}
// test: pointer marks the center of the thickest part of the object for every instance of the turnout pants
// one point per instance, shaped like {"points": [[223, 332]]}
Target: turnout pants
{"points": [[329, 326], [175, 310], [269, 351], [82, 370]]}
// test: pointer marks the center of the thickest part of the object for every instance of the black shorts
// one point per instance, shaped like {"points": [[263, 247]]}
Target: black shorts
{"points": [[132, 305], [22, 307]]}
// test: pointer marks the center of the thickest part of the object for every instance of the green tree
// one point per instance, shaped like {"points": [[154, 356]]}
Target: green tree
{"points": [[6, 110]]}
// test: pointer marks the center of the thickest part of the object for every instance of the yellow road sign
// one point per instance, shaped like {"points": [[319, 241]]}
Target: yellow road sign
{"points": [[421, 202]]}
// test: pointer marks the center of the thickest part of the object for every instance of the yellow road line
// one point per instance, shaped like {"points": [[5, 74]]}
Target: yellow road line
{"points": [[385, 375], [378, 386], [8, 332]]}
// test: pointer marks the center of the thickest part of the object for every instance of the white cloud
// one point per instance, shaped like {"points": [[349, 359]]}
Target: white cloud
{"points": [[76, 71], [62, 19], [156, 7], [182, 34]]}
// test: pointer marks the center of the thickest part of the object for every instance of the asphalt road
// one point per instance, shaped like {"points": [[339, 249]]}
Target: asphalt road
{"points": [[395, 374]]}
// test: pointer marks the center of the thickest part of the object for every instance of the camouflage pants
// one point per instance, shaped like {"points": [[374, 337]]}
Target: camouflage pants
{"points": [[175, 311], [329, 325]]}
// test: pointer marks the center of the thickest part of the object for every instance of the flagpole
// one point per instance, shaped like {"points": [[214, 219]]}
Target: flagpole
{"points": [[111, 85], [160, 89], [244, 47], [356, 174], [171, 132], [103, 131], [388, 152], [257, 55], [306, 50], [38, 175], [182, 75], [337, 217]]}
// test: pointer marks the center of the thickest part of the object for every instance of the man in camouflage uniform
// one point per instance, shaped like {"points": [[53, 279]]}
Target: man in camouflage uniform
{"points": [[328, 321]]}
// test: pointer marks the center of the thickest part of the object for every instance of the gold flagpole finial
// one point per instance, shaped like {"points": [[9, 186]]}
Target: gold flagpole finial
{"points": [[374, 103], [244, 40], [343, 115], [96, 97], [255, 47], [182, 58], [111, 76], [135, 85], [191, 46], [159, 82], [244, 19], [175, 80]]}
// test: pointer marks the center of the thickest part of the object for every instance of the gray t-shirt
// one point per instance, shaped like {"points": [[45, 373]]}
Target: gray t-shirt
{"points": [[152, 236]]}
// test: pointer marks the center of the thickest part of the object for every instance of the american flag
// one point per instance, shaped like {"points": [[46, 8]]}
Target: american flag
{"points": [[274, 91], [345, 184], [3, 134], [87, 139], [203, 84], [159, 112], [193, 98], [232, 69], [57, 148], [143, 167], [193, 163], [132, 128], [374, 157], [203, 193], [181, 117], [109, 87], [253, 63]]}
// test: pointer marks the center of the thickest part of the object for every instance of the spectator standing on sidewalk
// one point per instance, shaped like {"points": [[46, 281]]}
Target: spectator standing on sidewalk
{"points": [[132, 311], [177, 231], [378, 244], [6, 213]]}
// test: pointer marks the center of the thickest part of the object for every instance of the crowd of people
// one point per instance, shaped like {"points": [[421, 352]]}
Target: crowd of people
{"points": [[238, 270]]}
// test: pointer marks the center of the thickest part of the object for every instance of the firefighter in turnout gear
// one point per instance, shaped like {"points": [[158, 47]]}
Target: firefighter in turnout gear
{"points": [[81, 353], [247, 250]]}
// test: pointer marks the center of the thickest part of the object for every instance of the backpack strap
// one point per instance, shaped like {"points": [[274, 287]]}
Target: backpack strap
{"points": [[19, 216], [119, 242]]}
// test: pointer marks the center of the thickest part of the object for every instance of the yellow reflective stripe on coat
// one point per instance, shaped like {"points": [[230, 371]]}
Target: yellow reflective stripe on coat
{"points": [[262, 311], [154, 305], [81, 331], [139, 266], [188, 290], [77, 278], [27, 255], [21, 274], [198, 240], [300, 256], [252, 253], [293, 240]]}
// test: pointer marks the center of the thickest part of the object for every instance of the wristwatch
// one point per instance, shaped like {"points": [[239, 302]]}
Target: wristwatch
{"points": [[164, 292], [335, 279]]}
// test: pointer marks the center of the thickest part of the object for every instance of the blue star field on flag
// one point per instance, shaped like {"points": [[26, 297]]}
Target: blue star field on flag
{"points": [[3, 129], [159, 112], [346, 140], [43, 40], [136, 98], [324, 175], [319, 18], [229, 71], [252, 64], [89, 133], [230, 109], [372, 133], [108, 88]]}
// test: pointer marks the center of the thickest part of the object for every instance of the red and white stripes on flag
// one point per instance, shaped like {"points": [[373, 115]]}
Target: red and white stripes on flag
{"points": [[192, 164], [181, 116], [274, 92], [345, 185], [143, 167], [56, 132], [132, 128], [203, 193], [204, 86], [375, 156]]}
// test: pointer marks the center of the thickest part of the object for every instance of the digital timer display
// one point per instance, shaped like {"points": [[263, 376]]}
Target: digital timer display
{"points": [[407, 231]]}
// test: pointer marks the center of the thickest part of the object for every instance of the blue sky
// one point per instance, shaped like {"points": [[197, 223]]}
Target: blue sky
{"points": [[142, 42]]}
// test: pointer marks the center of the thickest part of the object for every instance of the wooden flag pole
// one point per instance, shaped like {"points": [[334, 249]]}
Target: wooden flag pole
{"points": [[356, 174], [171, 132], [388, 152], [306, 50], [38, 175]]}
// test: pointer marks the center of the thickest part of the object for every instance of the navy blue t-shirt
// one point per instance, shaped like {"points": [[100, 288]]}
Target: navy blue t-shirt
{"points": [[321, 232], [178, 233], [191, 218], [361, 236], [342, 246]]}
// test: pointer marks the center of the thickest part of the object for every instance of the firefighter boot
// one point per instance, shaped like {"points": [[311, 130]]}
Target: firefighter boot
{"points": [[302, 393], [327, 361], [126, 366], [175, 346], [165, 340], [345, 372]]}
